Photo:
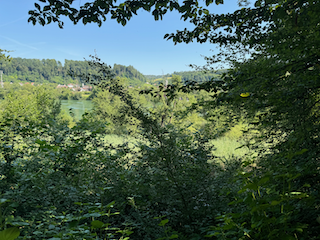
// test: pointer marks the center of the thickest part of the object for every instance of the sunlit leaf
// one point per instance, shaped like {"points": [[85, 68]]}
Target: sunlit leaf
{"points": [[245, 95]]}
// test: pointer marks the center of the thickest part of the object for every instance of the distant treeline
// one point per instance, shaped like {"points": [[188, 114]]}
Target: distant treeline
{"points": [[197, 76], [52, 71]]}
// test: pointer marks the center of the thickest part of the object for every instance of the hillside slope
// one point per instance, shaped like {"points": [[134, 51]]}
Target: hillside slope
{"points": [[52, 71]]}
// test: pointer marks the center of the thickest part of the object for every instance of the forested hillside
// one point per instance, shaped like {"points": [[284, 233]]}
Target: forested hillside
{"points": [[52, 71], [133, 76], [198, 76]]}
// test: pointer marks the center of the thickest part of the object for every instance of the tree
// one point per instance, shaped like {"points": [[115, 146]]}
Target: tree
{"points": [[176, 80], [3, 54], [273, 51], [272, 47]]}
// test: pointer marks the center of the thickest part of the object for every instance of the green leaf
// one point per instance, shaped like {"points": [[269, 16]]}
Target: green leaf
{"points": [[173, 236], [3, 200], [95, 214], [42, 21], [81, 204], [206, 11], [301, 151], [245, 95], [37, 6], [73, 223], [51, 226], [97, 224], [163, 222], [9, 233], [208, 2], [263, 180], [275, 202], [20, 224], [252, 186], [296, 193], [110, 205]]}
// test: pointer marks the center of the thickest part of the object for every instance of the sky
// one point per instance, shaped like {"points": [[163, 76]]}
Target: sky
{"points": [[140, 43]]}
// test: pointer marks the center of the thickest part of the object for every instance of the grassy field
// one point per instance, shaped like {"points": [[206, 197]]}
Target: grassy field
{"points": [[224, 147]]}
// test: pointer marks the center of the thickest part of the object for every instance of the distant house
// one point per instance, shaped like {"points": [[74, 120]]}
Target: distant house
{"points": [[85, 88], [73, 87], [62, 86]]}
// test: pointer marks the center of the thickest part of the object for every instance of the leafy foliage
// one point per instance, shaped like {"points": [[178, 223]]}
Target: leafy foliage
{"points": [[272, 193], [4, 56]]}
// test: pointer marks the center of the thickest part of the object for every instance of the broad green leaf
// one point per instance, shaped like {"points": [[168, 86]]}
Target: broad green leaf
{"points": [[73, 223], [51, 226], [9, 233], [97, 224]]}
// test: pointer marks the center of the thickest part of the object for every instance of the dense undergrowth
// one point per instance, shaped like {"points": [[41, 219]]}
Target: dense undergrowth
{"points": [[70, 183], [59, 182]]}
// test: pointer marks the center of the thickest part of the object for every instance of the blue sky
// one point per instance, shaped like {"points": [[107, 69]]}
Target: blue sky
{"points": [[140, 43]]}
